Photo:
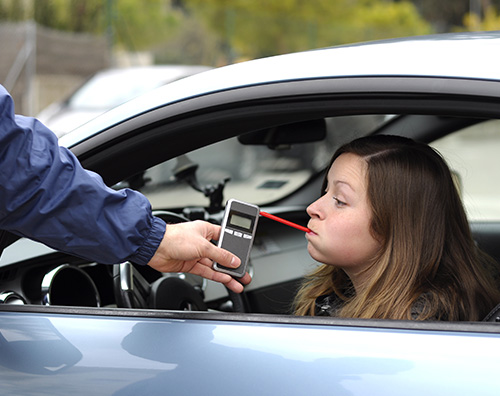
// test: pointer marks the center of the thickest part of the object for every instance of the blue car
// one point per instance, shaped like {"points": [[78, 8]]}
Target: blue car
{"points": [[263, 132]]}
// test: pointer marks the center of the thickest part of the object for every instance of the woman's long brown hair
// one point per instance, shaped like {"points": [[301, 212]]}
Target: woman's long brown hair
{"points": [[427, 251]]}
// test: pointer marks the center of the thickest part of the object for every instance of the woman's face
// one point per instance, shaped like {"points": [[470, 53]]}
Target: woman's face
{"points": [[340, 219]]}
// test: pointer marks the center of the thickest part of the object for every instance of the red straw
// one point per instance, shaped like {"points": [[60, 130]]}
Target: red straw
{"points": [[288, 223]]}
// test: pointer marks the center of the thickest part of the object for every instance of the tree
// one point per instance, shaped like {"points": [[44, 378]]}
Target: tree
{"points": [[256, 28], [490, 20], [443, 14], [130, 24], [450, 15]]}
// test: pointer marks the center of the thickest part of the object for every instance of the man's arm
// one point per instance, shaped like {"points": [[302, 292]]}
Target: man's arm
{"points": [[47, 196]]}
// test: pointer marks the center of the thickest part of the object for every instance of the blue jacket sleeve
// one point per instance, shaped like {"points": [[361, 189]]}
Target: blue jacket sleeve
{"points": [[47, 196]]}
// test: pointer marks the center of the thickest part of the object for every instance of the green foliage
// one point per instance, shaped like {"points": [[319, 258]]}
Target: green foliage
{"points": [[141, 24], [229, 29], [489, 21], [131, 24], [12, 10], [222, 31], [255, 28]]}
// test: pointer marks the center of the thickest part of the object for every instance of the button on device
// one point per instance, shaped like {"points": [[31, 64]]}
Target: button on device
{"points": [[229, 231], [246, 236], [238, 234]]}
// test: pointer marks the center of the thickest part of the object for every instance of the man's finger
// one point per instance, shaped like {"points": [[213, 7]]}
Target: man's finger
{"points": [[223, 257]]}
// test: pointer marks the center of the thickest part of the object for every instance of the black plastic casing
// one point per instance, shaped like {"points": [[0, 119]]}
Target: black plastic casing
{"points": [[237, 234]]}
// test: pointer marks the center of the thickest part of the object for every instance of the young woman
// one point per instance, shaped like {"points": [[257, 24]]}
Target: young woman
{"points": [[393, 237]]}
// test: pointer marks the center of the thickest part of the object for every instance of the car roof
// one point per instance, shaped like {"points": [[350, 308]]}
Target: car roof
{"points": [[458, 55]]}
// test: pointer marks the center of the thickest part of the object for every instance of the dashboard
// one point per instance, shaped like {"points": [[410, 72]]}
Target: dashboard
{"points": [[31, 273]]}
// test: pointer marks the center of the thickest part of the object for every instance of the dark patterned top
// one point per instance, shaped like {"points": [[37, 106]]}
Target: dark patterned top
{"points": [[331, 304], [328, 305]]}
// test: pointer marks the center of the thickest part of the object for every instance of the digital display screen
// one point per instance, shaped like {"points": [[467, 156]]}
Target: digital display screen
{"points": [[240, 221]]}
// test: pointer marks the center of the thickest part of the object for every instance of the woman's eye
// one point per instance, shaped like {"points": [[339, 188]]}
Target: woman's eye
{"points": [[339, 202]]}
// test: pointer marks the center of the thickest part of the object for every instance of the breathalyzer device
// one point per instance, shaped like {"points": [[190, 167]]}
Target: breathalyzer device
{"points": [[237, 234]]}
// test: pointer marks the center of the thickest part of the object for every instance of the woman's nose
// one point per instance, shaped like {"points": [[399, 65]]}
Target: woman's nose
{"points": [[313, 210]]}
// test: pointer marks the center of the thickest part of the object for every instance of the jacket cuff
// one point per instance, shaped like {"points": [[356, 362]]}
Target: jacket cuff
{"points": [[151, 243]]}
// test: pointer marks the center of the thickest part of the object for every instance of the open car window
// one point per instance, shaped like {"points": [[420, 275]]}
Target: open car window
{"points": [[272, 177]]}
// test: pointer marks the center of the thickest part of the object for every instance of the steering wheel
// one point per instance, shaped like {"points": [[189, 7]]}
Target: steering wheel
{"points": [[179, 291]]}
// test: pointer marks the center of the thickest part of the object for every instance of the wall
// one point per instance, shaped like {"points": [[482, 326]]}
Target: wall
{"points": [[39, 65]]}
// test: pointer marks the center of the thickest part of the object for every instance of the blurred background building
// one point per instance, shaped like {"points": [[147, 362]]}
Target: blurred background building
{"points": [[40, 65]]}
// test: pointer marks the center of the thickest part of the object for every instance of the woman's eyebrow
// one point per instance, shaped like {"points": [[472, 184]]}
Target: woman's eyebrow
{"points": [[343, 183]]}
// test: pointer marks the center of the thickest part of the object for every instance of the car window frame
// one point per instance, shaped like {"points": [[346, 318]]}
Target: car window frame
{"points": [[283, 102]]}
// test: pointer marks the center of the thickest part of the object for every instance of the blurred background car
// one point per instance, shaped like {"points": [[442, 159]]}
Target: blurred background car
{"points": [[108, 89]]}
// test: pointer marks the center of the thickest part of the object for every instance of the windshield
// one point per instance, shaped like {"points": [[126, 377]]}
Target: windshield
{"points": [[252, 173]]}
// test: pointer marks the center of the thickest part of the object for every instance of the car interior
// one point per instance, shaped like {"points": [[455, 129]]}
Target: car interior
{"points": [[278, 167]]}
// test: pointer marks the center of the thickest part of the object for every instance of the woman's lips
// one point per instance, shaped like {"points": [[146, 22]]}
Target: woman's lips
{"points": [[311, 231]]}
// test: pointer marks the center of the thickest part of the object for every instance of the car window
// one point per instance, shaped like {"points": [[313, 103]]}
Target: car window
{"points": [[473, 154]]}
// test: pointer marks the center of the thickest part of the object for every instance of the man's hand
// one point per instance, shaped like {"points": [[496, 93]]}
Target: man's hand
{"points": [[186, 247]]}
